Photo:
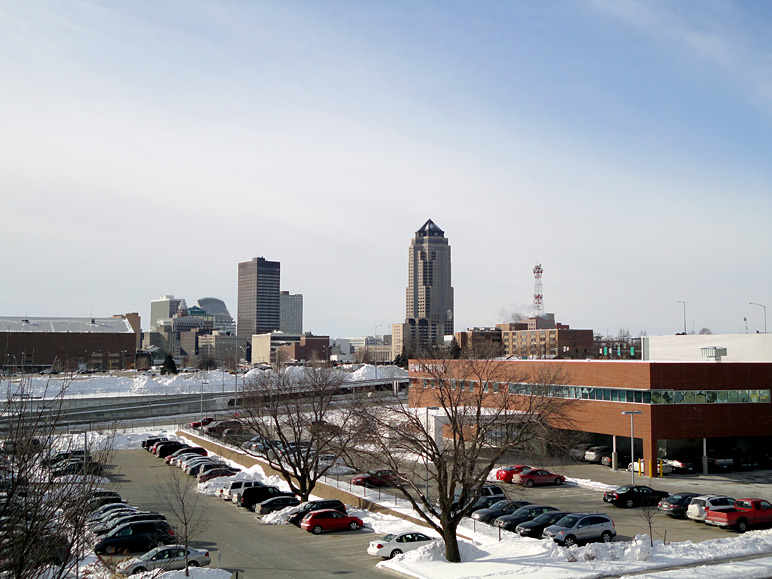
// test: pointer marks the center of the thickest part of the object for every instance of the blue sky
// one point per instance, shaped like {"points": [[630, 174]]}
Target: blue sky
{"points": [[148, 147]]}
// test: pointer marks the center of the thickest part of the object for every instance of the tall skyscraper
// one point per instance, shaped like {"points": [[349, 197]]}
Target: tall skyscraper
{"points": [[291, 313], [429, 311], [258, 309]]}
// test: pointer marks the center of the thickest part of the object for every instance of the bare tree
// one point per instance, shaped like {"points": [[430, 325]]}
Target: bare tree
{"points": [[50, 483], [186, 511], [299, 415], [482, 409]]}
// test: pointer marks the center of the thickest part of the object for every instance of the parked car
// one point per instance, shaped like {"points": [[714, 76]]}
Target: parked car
{"points": [[497, 509], [217, 473], [219, 427], [105, 510], [538, 476], [746, 460], [581, 528], [275, 504], [720, 461], [700, 505], [683, 463], [526, 513], [744, 514], [254, 495], [166, 558], [200, 467], [305, 508], [485, 491], [484, 503], [136, 537], [676, 504], [317, 522], [637, 465], [107, 526], [148, 443], [578, 451], [203, 422], [379, 478], [77, 467], [534, 528], [170, 448], [391, 545], [596, 453], [234, 485], [630, 496], [173, 458], [622, 459], [505, 473]]}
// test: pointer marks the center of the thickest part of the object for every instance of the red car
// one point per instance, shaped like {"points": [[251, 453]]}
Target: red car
{"points": [[379, 478], [505, 473], [202, 422], [538, 476], [217, 473], [329, 520]]}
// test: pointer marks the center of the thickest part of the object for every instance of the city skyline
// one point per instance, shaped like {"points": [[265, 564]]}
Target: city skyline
{"points": [[149, 148]]}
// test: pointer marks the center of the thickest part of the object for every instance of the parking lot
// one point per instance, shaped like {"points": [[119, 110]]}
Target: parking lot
{"points": [[240, 542]]}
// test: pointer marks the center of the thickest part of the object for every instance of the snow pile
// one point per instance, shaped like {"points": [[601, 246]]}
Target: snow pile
{"points": [[370, 372]]}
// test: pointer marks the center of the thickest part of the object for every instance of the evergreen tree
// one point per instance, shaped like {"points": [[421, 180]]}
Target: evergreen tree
{"points": [[454, 350], [169, 367]]}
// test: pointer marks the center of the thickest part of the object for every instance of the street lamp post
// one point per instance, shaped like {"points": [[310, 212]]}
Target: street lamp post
{"points": [[765, 314], [684, 303], [632, 414], [375, 351]]}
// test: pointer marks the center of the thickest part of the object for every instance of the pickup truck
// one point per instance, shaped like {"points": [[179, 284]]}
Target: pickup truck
{"points": [[745, 514]]}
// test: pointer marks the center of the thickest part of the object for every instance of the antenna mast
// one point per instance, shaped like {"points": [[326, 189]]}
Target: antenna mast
{"points": [[538, 298]]}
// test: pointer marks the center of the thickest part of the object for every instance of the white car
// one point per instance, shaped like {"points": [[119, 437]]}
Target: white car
{"points": [[636, 466], [392, 545], [166, 558], [699, 506], [234, 486]]}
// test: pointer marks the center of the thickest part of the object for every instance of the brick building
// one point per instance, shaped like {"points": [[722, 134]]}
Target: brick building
{"points": [[692, 407], [35, 344]]}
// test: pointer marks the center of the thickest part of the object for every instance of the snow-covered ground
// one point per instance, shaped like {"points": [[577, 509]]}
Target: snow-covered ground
{"points": [[138, 384], [484, 555], [487, 556]]}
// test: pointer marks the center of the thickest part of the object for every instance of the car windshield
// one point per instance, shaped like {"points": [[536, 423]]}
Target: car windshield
{"points": [[388, 537], [624, 489], [568, 521], [499, 505], [543, 518]]}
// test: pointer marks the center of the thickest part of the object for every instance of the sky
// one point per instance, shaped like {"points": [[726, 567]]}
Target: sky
{"points": [[147, 148]]}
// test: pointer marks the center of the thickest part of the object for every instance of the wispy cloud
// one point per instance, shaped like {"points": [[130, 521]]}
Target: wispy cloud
{"points": [[722, 35]]}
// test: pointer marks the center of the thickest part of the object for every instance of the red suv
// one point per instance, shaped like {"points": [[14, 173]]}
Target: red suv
{"points": [[329, 520]]}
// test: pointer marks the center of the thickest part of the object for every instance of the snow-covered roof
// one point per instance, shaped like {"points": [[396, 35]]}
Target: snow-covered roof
{"points": [[66, 325]]}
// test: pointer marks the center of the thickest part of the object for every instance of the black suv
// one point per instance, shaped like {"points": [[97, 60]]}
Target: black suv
{"points": [[135, 537], [253, 495], [306, 508]]}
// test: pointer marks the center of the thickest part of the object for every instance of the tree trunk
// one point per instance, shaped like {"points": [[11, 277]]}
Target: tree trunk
{"points": [[452, 553]]}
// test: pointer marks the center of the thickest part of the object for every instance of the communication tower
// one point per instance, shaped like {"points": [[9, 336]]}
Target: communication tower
{"points": [[538, 298]]}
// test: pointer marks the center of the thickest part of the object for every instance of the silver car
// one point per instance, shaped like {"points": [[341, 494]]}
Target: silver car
{"points": [[581, 528], [166, 558]]}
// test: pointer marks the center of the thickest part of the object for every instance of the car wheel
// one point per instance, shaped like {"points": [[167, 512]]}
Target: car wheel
{"points": [[605, 536], [111, 550], [394, 553], [354, 526], [629, 503], [138, 570], [742, 526], [569, 541], [317, 530], [529, 483], [192, 563], [558, 481]]}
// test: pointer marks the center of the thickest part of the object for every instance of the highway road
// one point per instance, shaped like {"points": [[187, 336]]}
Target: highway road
{"points": [[242, 543]]}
